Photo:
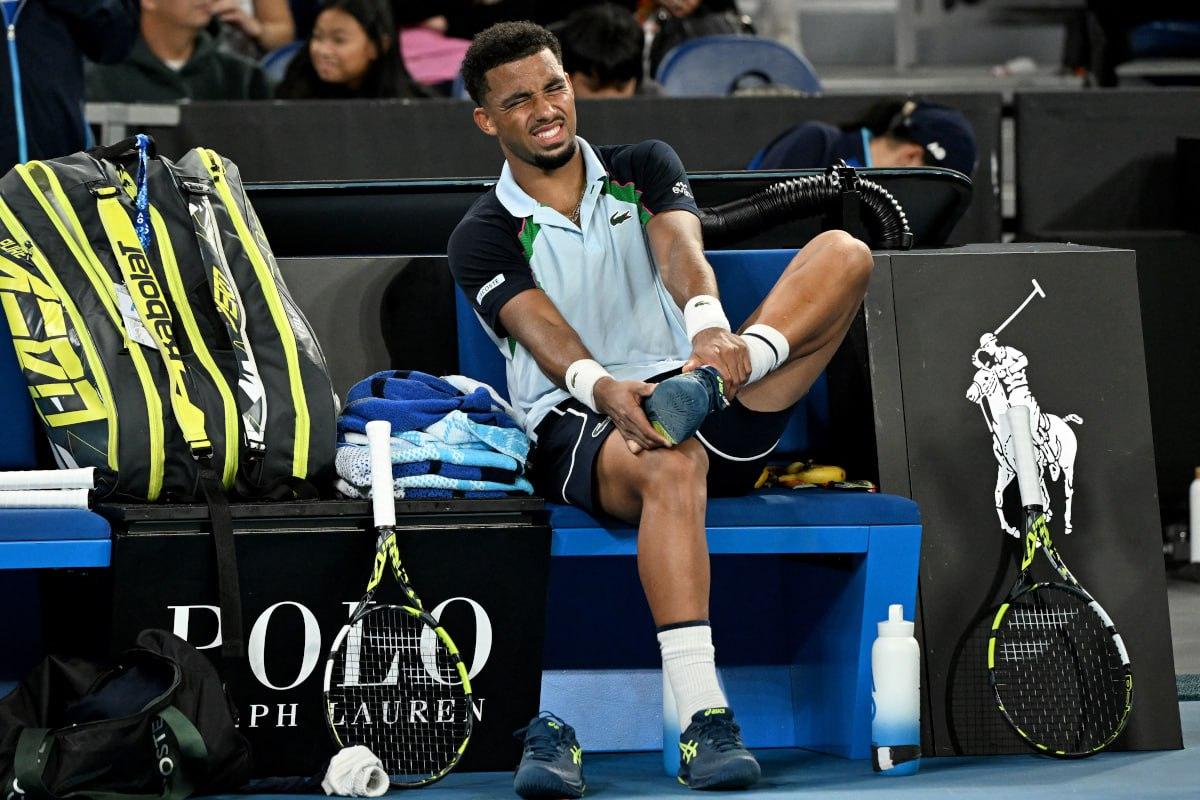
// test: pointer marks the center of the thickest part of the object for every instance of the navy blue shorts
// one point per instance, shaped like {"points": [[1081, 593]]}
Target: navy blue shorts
{"points": [[738, 441]]}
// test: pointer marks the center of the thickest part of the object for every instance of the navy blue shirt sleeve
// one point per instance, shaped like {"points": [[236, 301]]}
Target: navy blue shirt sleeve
{"points": [[656, 172], [487, 262]]}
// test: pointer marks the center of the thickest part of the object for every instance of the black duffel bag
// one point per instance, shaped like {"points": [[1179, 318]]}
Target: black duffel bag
{"points": [[157, 724]]}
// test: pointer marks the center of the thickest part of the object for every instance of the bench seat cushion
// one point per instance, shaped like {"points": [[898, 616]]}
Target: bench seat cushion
{"points": [[51, 524], [776, 508]]}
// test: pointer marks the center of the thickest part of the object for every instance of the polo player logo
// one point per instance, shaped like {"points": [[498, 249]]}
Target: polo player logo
{"points": [[1000, 382]]}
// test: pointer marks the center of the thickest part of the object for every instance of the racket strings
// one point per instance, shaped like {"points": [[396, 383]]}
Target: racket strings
{"points": [[394, 687], [1059, 673]]}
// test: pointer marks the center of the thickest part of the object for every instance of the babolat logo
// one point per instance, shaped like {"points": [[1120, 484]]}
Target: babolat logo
{"points": [[154, 308], [14, 791]]}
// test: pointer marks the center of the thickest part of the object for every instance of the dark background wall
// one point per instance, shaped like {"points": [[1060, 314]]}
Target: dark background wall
{"points": [[376, 140], [1103, 168]]}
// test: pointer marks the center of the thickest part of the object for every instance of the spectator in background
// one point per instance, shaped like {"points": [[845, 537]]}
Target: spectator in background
{"points": [[175, 59], [253, 27], [907, 133], [602, 48], [42, 113], [353, 52]]}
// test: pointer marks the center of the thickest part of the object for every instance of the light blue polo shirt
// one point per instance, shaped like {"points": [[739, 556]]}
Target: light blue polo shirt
{"points": [[600, 274]]}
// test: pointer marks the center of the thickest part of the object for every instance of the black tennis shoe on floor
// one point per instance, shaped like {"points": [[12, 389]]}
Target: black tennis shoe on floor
{"points": [[711, 753], [680, 404], [552, 763]]}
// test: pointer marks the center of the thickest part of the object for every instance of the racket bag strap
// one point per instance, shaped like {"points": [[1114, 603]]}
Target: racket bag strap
{"points": [[229, 592], [35, 750]]}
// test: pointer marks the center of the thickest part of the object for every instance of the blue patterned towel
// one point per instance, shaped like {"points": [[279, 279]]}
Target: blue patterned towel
{"points": [[413, 400]]}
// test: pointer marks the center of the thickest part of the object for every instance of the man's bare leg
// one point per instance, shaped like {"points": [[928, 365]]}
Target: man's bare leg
{"points": [[812, 306]]}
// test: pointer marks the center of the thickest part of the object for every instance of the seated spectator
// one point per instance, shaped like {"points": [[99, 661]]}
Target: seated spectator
{"points": [[176, 59], [909, 133], [253, 27], [602, 52], [353, 52]]}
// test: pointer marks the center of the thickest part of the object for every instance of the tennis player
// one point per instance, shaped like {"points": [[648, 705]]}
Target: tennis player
{"points": [[586, 266]]}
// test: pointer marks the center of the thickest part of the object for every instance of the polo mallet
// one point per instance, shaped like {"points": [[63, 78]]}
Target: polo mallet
{"points": [[1037, 292]]}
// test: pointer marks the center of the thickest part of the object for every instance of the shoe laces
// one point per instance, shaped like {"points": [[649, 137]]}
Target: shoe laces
{"points": [[720, 733], [541, 739]]}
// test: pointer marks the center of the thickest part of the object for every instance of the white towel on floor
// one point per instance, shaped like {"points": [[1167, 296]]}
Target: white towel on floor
{"points": [[355, 772]]}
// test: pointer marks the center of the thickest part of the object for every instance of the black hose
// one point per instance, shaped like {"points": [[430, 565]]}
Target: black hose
{"points": [[800, 198]]}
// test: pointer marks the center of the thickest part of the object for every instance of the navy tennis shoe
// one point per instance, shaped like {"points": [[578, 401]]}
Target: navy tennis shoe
{"points": [[552, 763], [681, 403], [711, 753]]}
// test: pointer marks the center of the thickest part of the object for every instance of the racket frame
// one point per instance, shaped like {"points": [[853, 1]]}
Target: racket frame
{"points": [[387, 554], [1037, 535]]}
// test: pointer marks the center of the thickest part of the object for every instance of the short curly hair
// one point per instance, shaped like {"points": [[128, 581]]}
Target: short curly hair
{"points": [[500, 44]]}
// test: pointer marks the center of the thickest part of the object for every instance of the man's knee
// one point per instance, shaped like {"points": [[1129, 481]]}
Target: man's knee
{"points": [[669, 469]]}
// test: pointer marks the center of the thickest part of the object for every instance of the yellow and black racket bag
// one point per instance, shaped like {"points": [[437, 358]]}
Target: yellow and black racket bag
{"points": [[154, 329]]}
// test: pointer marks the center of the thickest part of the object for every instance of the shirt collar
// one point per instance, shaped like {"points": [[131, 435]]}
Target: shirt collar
{"points": [[521, 205]]}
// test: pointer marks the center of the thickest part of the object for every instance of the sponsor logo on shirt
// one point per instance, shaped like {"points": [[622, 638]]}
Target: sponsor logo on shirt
{"points": [[938, 151], [487, 287], [681, 187], [619, 217]]}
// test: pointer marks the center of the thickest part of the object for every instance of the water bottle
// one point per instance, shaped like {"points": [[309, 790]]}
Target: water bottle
{"points": [[895, 697], [1194, 518], [670, 751]]}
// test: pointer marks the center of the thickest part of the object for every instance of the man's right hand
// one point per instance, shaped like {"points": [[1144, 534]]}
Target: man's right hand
{"points": [[621, 401]]}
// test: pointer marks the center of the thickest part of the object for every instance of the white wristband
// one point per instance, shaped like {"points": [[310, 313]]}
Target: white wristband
{"points": [[581, 380], [703, 311]]}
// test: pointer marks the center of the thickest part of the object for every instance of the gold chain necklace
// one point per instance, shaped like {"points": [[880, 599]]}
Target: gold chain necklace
{"points": [[574, 215]]}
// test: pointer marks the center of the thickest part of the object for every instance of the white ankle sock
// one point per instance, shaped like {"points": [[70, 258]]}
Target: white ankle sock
{"points": [[687, 656], [768, 350]]}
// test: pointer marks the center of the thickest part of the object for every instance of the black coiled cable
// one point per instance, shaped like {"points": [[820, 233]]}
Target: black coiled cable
{"points": [[800, 198]]}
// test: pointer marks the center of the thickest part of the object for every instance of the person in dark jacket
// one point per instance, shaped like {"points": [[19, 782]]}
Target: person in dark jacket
{"points": [[900, 133], [176, 59], [42, 105], [353, 52]]}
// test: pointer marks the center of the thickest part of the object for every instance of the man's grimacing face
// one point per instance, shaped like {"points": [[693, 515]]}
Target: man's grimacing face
{"points": [[530, 108]]}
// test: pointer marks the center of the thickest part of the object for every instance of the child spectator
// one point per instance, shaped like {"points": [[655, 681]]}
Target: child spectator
{"points": [[353, 52]]}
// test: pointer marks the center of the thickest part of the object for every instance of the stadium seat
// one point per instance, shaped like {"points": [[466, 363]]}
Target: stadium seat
{"points": [[275, 63], [719, 65]]}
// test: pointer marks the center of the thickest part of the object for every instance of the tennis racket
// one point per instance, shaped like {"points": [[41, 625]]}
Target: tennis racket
{"points": [[1056, 663], [394, 681]]}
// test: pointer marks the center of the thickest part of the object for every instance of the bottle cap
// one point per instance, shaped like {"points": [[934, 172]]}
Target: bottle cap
{"points": [[895, 624]]}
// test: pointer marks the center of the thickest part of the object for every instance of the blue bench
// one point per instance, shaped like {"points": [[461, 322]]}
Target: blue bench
{"points": [[800, 579], [38, 538]]}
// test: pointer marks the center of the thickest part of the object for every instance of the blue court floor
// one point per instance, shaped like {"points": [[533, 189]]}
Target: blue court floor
{"points": [[795, 773]]}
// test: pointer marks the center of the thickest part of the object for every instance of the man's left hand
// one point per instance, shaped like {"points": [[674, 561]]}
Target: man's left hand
{"points": [[724, 350]]}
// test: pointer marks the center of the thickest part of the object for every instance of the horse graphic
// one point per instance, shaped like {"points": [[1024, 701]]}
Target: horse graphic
{"points": [[1056, 455]]}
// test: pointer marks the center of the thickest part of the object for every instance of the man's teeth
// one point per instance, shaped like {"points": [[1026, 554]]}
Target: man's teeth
{"points": [[549, 133]]}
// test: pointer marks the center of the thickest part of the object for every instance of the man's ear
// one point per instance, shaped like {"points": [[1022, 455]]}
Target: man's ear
{"points": [[483, 121], [911, 154]]}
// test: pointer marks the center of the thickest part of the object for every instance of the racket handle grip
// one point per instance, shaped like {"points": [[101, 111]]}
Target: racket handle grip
{"points": [[1027, 466], [379, 445]]}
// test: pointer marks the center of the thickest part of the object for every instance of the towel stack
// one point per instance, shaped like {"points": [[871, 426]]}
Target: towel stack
{"points": [[451, 437], [46, 488]]}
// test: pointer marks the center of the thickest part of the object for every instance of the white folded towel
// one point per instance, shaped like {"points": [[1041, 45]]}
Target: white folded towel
{"points": [[83, 478], [355, 772], [44, 498]]}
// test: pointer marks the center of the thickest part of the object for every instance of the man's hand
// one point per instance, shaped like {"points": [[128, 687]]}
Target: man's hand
{"points": [[621, 401], [231, 11], [724, 350]]}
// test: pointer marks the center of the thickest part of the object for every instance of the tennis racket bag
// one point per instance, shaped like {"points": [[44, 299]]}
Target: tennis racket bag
{"points": [[157, 725], [154, 329]]}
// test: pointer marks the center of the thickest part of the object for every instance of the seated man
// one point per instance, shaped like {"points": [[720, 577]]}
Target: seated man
{"points": [[586, 265], [176, 59], [897, 133], [602, 52]]}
